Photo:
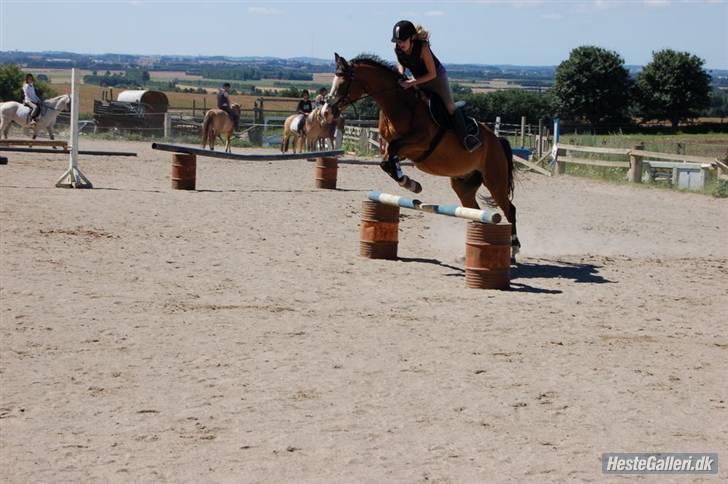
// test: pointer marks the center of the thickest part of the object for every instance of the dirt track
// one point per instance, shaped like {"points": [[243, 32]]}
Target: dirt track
{"points": [[233, 334]]}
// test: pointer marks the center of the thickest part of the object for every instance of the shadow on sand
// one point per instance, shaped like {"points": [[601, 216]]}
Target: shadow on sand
{"points": [[578, 273]]}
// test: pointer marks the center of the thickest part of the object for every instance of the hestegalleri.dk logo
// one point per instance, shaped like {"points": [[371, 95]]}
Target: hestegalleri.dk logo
{"points": [[659, 463]]}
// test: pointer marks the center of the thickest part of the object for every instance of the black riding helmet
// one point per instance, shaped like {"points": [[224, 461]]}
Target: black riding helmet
{"points": [[403, 30]]}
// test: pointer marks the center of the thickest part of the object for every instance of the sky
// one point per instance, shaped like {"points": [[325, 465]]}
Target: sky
{"points": [[519, 32]]}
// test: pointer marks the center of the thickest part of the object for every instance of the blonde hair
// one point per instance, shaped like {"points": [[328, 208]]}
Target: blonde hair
{"points": [[422, 34]]}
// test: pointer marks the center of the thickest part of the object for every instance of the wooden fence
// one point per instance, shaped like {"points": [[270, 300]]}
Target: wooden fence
{"points": [[686, 171]]}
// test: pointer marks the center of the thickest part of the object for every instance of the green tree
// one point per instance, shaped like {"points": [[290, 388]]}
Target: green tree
{"points": [[673, 87], [718, 104], [592, 84], [11, 82], [510, 105]]}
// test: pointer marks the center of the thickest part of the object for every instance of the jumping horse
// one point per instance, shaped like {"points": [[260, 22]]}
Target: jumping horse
{"points": [[412, 133]]}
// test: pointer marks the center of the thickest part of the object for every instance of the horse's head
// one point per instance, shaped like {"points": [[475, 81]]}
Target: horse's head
{"points": [[63, 102], [344, 88], [365, 74]]}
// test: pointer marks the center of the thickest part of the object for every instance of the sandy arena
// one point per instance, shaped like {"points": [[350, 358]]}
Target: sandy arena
{"points": [[233, 334]]}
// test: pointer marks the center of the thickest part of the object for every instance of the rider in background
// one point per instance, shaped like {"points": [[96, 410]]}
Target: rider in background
{"points": [[305, 106], [321, 98], [223, 102], [31, 98], [412, 47]]}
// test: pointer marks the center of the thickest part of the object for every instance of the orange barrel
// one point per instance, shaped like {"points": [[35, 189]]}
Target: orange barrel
{"points": [[488, 256], [184, 171], [378, 230], [326, 168]]}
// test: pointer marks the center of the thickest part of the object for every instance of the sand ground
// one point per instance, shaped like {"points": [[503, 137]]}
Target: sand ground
{"points": [[232, 334]]}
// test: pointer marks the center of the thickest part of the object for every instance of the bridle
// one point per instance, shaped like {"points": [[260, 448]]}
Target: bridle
{"points": [[343, 99]]}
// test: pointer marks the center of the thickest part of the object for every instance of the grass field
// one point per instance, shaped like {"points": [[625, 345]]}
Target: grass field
{"points": [[176, 99]]}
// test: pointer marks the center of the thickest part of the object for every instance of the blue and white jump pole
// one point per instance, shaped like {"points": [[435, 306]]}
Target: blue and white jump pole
{"points": [[483, 216]]}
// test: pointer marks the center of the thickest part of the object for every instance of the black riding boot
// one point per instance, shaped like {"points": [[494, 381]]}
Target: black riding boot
{"points": [[471, 142]]}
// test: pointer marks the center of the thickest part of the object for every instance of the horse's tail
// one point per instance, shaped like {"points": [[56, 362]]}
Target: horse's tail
{"points": [[509, 156], [206, 126]]}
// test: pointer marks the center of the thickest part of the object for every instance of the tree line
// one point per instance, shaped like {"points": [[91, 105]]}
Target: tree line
{"points": [[593, 88]]}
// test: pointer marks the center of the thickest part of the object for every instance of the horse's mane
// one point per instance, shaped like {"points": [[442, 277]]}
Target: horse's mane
{"points": [[56, 98], [376, 61]]}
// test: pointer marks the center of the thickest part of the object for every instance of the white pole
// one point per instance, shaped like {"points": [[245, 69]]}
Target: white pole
{"points": [[73, 141], [73, 178], [497, 126], [167, 126], [523, 131]]}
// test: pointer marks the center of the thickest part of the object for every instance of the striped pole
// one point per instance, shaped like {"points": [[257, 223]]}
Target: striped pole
{"points": [[449, 210]]}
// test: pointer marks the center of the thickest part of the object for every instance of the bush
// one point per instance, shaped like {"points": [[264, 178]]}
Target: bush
{"points": [[721, 189]]}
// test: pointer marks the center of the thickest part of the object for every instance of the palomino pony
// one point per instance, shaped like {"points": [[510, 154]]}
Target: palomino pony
{"points": [[216, 123], [15, 112], [333, 132], [411, 133], [314, 128]]}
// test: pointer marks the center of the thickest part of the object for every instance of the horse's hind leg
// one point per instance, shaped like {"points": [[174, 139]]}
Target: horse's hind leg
{"points": [[466, 187], [502, 199]]}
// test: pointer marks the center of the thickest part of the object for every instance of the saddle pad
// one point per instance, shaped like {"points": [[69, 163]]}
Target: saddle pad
{"points": [[298, 123]]}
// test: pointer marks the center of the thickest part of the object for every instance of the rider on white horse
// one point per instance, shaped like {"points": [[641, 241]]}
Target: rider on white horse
{"points": [[31, 99]]}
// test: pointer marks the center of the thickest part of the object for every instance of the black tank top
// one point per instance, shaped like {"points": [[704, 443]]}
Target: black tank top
{"points": [[414, 61]]}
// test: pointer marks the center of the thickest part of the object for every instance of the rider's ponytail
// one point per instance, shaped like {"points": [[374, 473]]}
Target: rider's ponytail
{"points": [[422, 34]]}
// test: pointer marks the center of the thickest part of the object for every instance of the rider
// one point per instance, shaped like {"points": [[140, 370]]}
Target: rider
{"points": [[31, 98], [412, 47], [321, 98], [304, 107], [223, 102]]}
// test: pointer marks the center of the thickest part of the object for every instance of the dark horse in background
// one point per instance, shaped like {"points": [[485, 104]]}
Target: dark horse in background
{"points": [[407, 126]]}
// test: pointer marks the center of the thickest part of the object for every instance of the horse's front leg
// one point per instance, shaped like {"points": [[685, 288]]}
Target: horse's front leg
{"points": [[391, 163], [51, 136]]}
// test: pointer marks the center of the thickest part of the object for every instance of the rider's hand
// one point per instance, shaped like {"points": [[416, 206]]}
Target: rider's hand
{"points": [[407, 83]]}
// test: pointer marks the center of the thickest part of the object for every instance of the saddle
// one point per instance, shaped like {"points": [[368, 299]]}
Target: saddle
{"points": [[440, 116]]}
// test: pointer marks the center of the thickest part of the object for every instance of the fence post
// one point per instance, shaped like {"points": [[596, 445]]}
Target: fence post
{"points": [[497, 125], [167, 126], [363, 140], [539, 142], [523, 131], [635, 165]]}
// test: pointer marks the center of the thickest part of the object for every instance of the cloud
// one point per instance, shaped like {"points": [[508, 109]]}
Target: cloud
{"points": [[657, 3], [264, 11], [434, 13]]}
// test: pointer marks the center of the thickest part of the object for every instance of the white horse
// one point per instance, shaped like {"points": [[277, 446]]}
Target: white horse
{"points": [[12, 111]]}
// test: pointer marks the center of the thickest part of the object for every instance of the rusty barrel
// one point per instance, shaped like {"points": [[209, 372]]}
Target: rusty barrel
{"points": [[184, 171], [488, 256], [326, 168], [378, 232]]}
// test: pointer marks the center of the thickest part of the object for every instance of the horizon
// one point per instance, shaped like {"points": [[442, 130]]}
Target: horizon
{"points": [[528, 33]]}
